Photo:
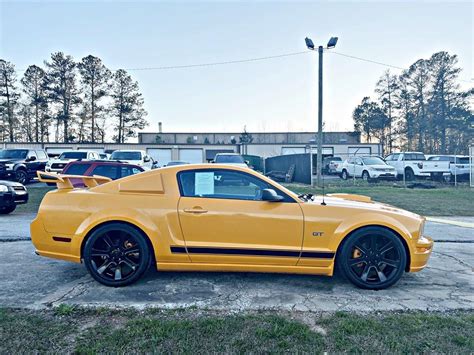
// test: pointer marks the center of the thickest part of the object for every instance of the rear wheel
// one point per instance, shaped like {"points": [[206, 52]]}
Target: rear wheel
{"points": [[409, 175], [116, 254], [373, 258], [7, 209]]}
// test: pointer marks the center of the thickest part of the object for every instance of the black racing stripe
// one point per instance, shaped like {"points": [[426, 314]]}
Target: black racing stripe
{"points": [[317, 254], [252, 252]]}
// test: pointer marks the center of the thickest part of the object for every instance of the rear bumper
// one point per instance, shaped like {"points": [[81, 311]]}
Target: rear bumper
{"points": [[421, 253]]}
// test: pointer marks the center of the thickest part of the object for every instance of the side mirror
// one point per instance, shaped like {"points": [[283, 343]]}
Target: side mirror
{"points": [[33, 158], [271, 196], [146, 159], [247, 162]]}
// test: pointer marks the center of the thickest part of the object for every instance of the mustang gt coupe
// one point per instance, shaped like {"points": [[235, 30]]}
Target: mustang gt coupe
{"points": [[212, 217]]}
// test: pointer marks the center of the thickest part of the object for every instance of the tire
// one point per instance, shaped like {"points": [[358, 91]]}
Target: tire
{"points": [[382, 258], [366, 176], [117, 254], [21, 176], [7, 209], [344, 175], [409, 175]]}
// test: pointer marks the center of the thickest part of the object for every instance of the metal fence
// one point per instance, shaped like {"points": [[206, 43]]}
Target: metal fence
{"points": [[471, 163]]}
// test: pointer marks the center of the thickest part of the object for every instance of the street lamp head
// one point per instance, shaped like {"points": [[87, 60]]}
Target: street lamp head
{"points": [[309, 43], [332, 42]]}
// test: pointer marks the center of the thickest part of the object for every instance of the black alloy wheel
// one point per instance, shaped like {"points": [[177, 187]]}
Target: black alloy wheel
{"points": [[373, 258], [21, 176], [409, 175], [365, 175], [116, 254]]}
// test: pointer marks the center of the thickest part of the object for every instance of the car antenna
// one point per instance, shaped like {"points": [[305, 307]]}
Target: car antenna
{"points": [[323, 203]]}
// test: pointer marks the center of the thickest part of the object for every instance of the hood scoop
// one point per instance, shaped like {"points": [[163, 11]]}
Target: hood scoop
{"points": [[351, 197]]}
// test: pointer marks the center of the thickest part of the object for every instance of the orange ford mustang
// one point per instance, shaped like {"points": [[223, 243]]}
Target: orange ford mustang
{"points": [[223, 218]]}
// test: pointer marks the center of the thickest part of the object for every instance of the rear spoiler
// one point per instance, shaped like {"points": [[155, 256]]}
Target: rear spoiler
{"points": [[64, 181]]}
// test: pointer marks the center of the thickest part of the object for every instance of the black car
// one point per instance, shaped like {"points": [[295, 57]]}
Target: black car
{"points": [[11, 195], [21, 164]]}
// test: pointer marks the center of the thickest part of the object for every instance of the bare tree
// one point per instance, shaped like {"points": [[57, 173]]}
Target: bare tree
{"points": [[386, 89]]}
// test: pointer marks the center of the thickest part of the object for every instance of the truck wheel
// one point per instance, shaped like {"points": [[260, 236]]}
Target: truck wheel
{"points": [[344, 175], [7, 210], [409, 175], [22, 176]]}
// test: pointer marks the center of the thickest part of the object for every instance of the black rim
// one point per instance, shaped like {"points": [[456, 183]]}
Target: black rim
{"points": [[21, 176], [374, 259], [365, 176], [116, 256]]}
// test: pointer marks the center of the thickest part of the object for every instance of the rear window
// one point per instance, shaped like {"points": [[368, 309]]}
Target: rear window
{"points": [[130, 170], [126, 156], [464, 160], [73, 155], [111, 171], [414, 156], [229, 159], [77, 169]]}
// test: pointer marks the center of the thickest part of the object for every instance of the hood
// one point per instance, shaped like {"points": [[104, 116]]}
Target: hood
{"points": [[360, 202], [61, 160], [10, 183], [380, 166], [9, 161]]}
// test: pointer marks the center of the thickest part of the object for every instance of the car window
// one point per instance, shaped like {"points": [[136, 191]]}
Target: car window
{"points": [[463, 160], [77, 169], [395, 156], [225, 184], [111, 171], [117, 155], [229, 159], [73, 155], [31, 153], [351, 161], [41, 154], [373, 161], [129, 170], [389, 158]]}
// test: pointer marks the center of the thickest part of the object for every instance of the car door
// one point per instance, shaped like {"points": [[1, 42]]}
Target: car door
{"points": [[359, 166], [224, 220], [32, 163]]}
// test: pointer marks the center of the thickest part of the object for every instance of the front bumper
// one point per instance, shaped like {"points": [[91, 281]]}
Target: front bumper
{"points": [[11, 198], [383, 175], [421, 253]]}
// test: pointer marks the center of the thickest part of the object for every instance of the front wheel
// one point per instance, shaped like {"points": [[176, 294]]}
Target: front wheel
{"points": [[7, 209], [365, 175], [372, 258], [344, 175], [21, 176], [116, 255]]}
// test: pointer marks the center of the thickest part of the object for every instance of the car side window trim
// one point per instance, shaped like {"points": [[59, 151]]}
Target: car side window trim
{"points": [[288, 198]]}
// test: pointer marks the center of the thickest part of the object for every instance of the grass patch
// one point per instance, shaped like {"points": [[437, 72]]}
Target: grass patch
{"points": [[192, 331], [35, 195], [441, 201]]}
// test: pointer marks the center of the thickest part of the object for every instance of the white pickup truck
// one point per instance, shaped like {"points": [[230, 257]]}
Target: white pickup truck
{"points": [[414, 164]]}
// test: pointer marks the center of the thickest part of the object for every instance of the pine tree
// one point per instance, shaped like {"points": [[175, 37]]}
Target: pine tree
{"points": [[95, 78], [9, 98], [127, 106]]}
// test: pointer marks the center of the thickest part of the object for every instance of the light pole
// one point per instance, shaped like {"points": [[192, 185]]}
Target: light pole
{"points": [[319, 161]]}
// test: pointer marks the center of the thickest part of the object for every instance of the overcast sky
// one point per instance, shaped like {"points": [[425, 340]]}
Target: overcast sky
{"points": [[271, 95]]}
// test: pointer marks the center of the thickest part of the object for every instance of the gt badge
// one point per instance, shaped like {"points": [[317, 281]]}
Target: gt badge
{"points": [[318, 234]]}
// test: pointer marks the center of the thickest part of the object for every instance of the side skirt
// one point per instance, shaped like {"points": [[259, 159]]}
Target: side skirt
{"points": [[326, 271]]}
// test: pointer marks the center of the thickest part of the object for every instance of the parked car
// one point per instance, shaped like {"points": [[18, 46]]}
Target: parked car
{"points": [[57, 165], [367, 168], [104, 156], [414, 164], [111, 169], [217, 217], [230, 159], [136, 157], [22, 164], [330, 164], [459, 165], [11, 194]]}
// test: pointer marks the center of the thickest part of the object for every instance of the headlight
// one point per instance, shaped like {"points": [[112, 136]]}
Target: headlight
{"points": [[9, 167], [3, 188]]}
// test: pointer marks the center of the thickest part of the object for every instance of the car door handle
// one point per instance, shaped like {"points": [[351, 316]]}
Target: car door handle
{"points": [[194, 210]]}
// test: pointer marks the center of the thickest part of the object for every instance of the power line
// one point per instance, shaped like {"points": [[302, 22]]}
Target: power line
{"points": [[380, 63], [221, 63]]}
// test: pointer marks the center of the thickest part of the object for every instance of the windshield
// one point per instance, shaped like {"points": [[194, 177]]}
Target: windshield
{"points": [[13, 154], [73, 155], [230, 159], [373, 161], [126, 156]]}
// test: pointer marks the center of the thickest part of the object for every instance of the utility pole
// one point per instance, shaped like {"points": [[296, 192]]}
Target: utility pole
{"points": [[319, 160]]}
